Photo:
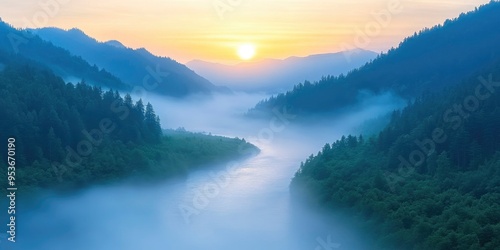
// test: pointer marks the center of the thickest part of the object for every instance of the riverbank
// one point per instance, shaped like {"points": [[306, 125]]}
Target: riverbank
{"points": [[178, 153]]}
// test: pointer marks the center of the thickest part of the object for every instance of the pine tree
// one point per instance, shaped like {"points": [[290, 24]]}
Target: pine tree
{"points": [[128, 101], [152, 123], [139, 110]]}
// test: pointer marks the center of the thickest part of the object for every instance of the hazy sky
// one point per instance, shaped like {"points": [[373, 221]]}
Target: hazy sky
{"points": [[196, 29]]}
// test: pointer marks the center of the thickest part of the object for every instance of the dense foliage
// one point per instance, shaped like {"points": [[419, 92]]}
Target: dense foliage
{"points": [[428, 61], [72, 135], [429, 180]]}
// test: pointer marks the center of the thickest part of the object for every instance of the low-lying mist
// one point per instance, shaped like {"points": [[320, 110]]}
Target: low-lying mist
{"points": [[239, 205]]}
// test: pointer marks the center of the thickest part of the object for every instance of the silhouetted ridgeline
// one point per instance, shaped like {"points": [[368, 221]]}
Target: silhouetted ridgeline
{"points": [[13, 41], [136, 67], [75, 56], [425, 62], [274, 76]]}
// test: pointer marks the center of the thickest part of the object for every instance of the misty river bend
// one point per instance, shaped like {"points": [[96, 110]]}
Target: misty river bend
{"points": [[250, 210]]}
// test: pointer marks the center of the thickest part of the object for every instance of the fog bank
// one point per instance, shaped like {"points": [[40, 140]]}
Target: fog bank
{"points": [[240, 205]]}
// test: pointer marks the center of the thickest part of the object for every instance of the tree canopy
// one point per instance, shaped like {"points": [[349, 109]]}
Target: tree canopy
{"points": [[69, 136], [428, 61], [429, 180]]}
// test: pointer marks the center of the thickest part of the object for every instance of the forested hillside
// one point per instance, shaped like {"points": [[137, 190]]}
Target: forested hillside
{"points": [[132, 66], [425, 62], [28, 45], [429, 180], [69, 136]]}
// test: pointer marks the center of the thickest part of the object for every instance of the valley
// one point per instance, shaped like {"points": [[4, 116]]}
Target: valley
{"points": [[261, 136]]}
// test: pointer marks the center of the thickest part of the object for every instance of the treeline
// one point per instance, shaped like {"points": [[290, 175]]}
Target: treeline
{"points": [[69, 136], [429, 60], [429, 180]]}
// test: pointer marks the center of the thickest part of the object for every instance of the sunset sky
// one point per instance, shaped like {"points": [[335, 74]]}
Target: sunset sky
{"points": [[196, 29]]}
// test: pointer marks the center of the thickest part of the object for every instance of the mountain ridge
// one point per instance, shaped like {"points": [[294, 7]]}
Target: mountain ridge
{"points": [[274, 75], [16, 41], [130, 65], [427, 61]]}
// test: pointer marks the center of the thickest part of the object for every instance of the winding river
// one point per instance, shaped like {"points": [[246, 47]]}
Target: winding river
{"points": [[240, 205]]}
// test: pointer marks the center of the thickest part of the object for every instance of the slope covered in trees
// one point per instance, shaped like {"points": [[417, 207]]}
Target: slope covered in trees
{"points": [[70, 136], [429, 180], [425, 62], [28, 45], [131, 65]]}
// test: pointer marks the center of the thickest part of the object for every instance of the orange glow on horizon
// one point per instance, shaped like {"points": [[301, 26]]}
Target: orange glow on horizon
{"points": [[194, 29]]}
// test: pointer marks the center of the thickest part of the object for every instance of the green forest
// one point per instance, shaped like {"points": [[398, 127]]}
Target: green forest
{"points": [[70, 136], [60, 61], [429, 180], [427, 61]]}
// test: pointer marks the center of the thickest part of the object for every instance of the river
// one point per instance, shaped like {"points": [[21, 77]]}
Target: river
{"points": [[245, 207]]}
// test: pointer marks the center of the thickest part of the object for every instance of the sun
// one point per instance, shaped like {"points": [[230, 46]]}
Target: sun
{"points": [[246, 51]]}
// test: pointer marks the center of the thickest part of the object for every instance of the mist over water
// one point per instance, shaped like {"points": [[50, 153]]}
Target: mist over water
{"points": [[250, 209]]}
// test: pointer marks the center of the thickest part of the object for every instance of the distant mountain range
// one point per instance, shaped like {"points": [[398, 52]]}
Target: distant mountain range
{"points": [[59, 60], [425, 62], [135, 67], [434, 170], [75, 56], [273, 75]]}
